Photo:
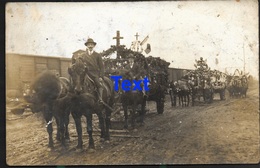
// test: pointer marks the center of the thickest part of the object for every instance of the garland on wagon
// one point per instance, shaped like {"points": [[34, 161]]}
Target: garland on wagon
{"points": [[153, 67]]}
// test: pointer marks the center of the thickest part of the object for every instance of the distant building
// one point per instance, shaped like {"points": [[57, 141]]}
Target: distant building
{"points": [[176, 73], [22, 68]]}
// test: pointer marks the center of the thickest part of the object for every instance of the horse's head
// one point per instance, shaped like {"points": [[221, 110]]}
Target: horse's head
{"points": [[43, 90], [77, 74]]}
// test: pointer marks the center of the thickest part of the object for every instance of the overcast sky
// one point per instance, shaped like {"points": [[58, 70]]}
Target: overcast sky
{"points": [[179, 32]]}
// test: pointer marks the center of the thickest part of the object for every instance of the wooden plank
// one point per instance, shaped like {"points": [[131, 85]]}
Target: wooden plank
{"points": [[12, 71], [118, 136], [64, 68], [41, 60], [113, 131], [53, 63], [26, 68], [40, 67]]}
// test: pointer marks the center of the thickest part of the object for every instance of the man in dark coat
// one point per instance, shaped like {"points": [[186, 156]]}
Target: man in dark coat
{"points": [[134, 70], [95, 66]]}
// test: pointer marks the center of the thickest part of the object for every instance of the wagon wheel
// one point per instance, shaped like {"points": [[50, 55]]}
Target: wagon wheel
{"points": [[160, 106], [222, 94]]}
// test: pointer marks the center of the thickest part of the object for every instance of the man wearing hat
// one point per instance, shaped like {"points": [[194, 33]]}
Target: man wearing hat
{"points": [[134, 69], [95, 66]]}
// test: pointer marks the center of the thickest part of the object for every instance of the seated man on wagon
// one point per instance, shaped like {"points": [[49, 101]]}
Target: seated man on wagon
{"points": [[134, 70]]}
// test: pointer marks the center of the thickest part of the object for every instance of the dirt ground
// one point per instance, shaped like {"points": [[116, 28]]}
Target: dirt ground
{"points": [[221, 132]]}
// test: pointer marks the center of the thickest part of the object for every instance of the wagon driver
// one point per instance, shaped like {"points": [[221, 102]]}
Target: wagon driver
{"points": [[95, 66], [134, 70]]}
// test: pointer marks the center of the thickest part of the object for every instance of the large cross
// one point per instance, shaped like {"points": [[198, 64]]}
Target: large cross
{"points": [[118, 38], [136, 36]]}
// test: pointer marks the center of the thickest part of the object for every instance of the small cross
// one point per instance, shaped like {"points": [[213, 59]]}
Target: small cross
{"points": [[118, 38], [136, 36]]}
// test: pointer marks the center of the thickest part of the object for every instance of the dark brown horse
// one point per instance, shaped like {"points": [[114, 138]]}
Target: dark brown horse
{"points": [[157, 89], [50, 94], [85, 102], [183, 91], [132, 99], [200, 87]]}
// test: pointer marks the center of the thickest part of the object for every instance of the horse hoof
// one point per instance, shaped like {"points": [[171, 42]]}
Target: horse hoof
{"points": [[64, 149], [79, 150], [91, 150], [50, 145], [49, 149]]}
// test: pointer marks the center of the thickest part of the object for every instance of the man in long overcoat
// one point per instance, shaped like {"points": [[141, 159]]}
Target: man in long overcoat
{"points": [[94, 65]]}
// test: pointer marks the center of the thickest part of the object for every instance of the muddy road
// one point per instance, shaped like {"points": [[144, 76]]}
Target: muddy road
{"points": [[221, 132]]}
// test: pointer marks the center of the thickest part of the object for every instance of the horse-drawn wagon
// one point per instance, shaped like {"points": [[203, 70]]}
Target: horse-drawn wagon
{"points": [[201, 82], [237, 84], [154, 68]]}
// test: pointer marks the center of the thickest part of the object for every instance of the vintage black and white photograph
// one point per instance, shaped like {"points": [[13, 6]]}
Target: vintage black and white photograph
{"points": [[119, 83]]}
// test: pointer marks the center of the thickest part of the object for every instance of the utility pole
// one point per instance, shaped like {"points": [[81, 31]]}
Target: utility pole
{"points": [[244, 58]]}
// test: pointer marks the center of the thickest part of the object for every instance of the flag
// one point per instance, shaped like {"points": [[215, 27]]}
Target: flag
{"points": [[148, 49], [145, 39]]}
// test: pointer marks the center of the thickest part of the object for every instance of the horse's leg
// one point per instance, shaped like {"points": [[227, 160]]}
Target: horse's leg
{"points": [[188, 96], [77, 120], [66, 123], [142, 113], [179, 96], [174, 100], [193, 97], [133, 112], [101, 125], [48, 118], [90, 131], [182, 100], [158, 105], [171, 96], [50, 130], [211, 95], [107, 124], [62, 131], [125, 115], [58, 128], [204, 95], [185, 98]]}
